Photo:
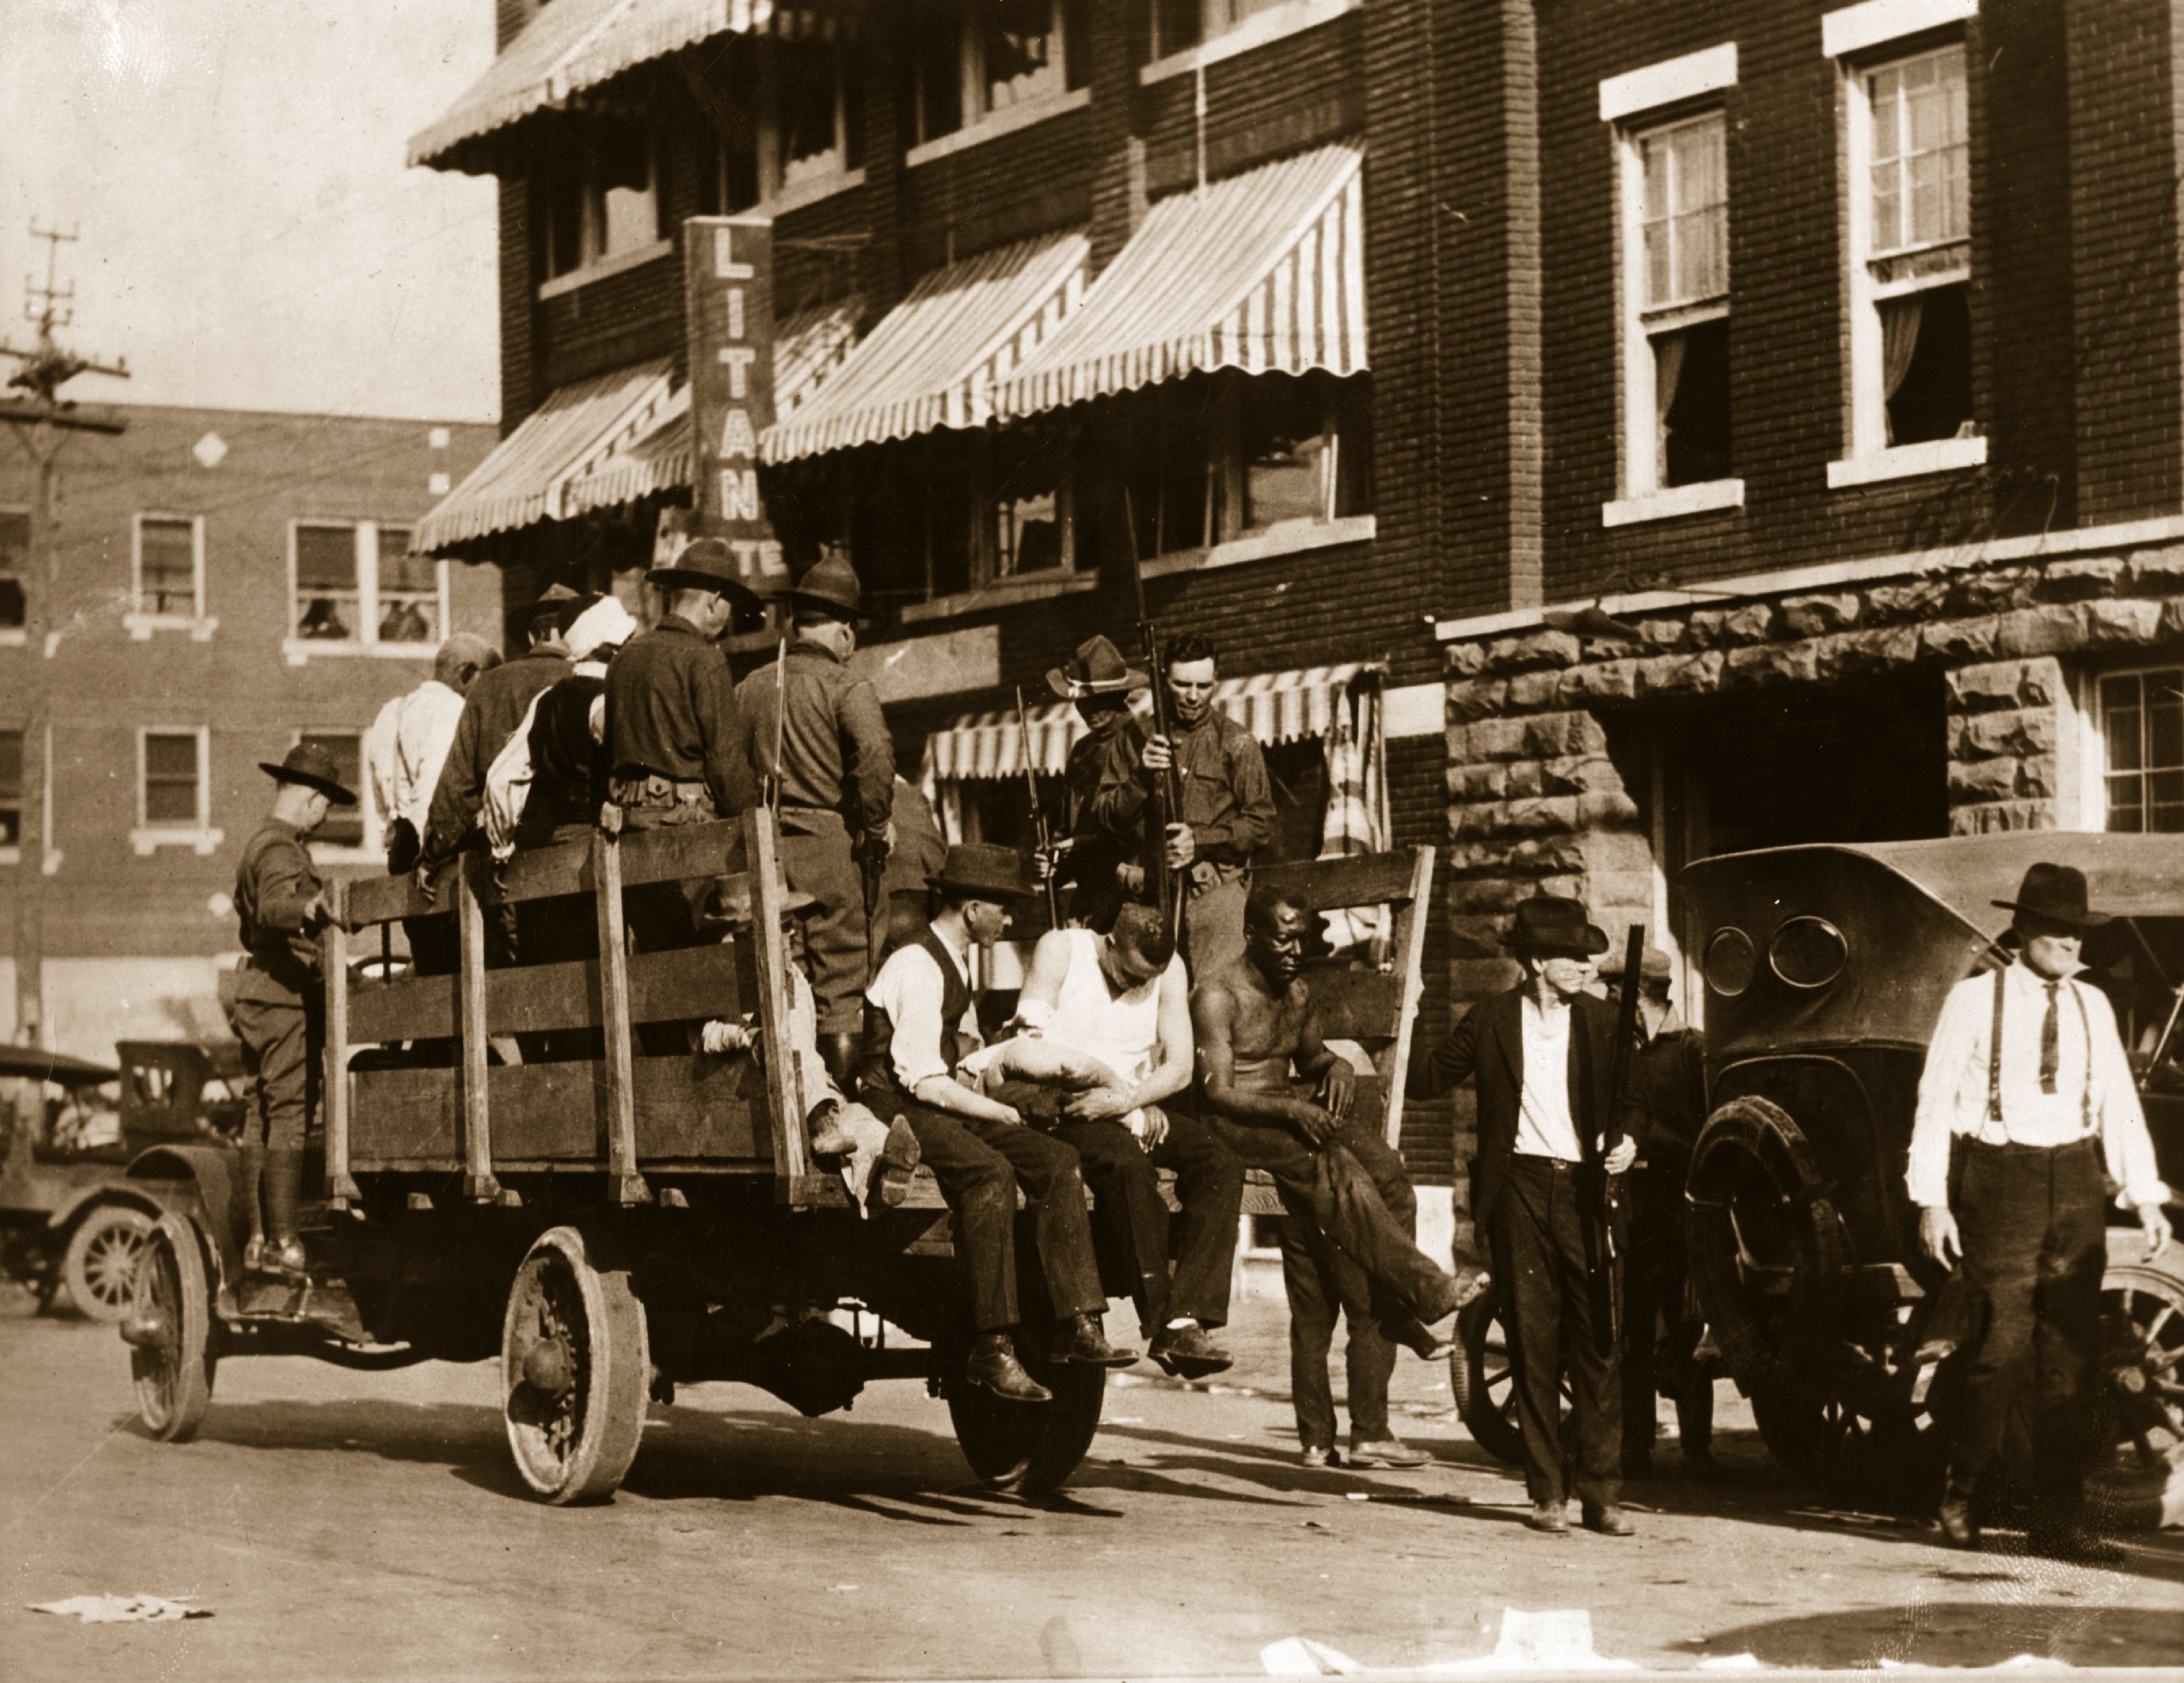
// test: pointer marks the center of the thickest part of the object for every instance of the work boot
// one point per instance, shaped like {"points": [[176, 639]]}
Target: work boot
{"points": [[1608, 1518], [899, 1161], [1187, 1352], [1080, 1339], [1419, 1339], [1551, 1517], [283, 1252], [994, 1365], [1387, 1451], [841, 1050], [1959, 1527], [249, 1172]]}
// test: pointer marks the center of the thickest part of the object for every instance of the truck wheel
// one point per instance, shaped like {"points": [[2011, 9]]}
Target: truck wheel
{"points": [[576, 1371], [1029, 1448], [100, 1264], [169, 1332], [2136, 1479]]}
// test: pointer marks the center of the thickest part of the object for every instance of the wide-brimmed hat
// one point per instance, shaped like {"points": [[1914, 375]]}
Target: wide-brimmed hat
{"points": [[832, 584], [706, 563], [729, 903], [1654, 967], [983, 870], [311, 766], [556, 599], [1550, 925], [2056, 892], [1097, 668]]}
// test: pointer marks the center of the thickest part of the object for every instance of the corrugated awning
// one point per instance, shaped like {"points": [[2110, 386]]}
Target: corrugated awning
{"points": [[1263, 271], [574, 432], [1275, 707], [934, 359], [807, 348], [572, 45]]}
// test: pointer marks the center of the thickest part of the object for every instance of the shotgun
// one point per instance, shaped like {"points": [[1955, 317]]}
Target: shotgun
{"points": [[1620, 1053], [1041, 840]]}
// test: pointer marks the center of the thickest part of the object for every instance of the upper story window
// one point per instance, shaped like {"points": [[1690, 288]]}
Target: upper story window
{"points": [[1920, 187], [356, 586], [11, 789], [14, 564], [1676, 339], [2141, 728], [791, 118], [1178, 24], [979, 58], [174, 790], [601, 200], [167, 581]]}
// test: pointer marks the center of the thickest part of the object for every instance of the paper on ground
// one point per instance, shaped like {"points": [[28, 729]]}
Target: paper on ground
{"points": [[123, 1609]]}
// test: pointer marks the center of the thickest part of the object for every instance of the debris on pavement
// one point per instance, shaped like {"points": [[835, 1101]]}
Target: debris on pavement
{"points": [[125, 1609], [1552, 1641]]}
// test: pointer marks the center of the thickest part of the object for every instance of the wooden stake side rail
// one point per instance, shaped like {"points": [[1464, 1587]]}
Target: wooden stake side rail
{"points": [[673, 854]]}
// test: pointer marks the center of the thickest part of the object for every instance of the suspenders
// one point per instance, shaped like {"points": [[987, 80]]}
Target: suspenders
{"points": [[1994, 1056]]}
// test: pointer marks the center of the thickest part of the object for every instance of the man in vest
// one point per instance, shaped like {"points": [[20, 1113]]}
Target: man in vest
{"points": [[279, 1011], [921, 1027], [2026, 1081], [837, 770]]}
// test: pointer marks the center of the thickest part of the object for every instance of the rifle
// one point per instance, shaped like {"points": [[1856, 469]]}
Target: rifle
{"points": [[1041, 840], [772, 787], [1167, 795], [1619, 1079]]}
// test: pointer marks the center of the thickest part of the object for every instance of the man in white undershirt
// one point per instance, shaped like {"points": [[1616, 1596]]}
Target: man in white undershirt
{"points": [[2025, 1069]]}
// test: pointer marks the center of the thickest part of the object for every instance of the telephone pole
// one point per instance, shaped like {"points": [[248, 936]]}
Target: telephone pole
{"points": [[43, 421]]}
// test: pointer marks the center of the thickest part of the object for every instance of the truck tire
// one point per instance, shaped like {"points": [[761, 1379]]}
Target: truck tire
{"points": [[576, 1371], [172, 1355], [100, 1263], [2136, 1479], [1028, 1448]]}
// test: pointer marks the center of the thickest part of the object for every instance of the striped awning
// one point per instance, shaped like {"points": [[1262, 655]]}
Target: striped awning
{"points": [[934, 359], [575, 431], [1275, 707], [1263, 271], [572, 45]]}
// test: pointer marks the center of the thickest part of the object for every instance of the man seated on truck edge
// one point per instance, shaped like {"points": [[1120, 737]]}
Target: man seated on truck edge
{"points": [[919, 1028], [1281, 1098]]}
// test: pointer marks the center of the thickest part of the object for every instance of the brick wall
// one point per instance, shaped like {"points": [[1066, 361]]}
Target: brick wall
{"points": [[1298, 91]]}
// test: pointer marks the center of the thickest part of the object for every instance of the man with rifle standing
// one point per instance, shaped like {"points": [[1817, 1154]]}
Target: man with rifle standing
{"points": [[1106, 796], [819, 737], [1545, 1057]]}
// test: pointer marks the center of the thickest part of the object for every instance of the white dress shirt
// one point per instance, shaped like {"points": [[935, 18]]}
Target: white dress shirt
{"points": [[424, 732], [908, 988], [2093, 1083], [379, 758], [1544, 1126]]}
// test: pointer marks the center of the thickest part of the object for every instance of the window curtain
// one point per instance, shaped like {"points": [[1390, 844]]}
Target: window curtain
{"points": [[1668, 375], [1356, 819], [1899, 343]]}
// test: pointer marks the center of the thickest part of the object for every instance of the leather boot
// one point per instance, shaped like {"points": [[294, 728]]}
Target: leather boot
{"points": [[1078, 1338], [249, 1172], [899, 1161], [284, 1189], [840, 1050], [994, 1364], [1959, 1524]]}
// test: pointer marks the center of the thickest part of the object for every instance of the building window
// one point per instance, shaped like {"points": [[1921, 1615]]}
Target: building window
{"points": [[346, 827], [170, 583], [14, 565], [2142, 723], [600, 201], [1675, 304], [11, 790], [789, 112], [1910, 260], [1029, 527], [174, 801], [356, 584], [985, 57], [1180, 24]]}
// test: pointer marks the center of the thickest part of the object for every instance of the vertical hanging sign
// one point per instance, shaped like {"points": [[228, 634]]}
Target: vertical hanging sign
{"points": [[728, 271]]}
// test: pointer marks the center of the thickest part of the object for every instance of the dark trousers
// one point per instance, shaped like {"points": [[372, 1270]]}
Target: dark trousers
{"points": [[1545, 1246], [1131, 1219], [1324, 1285], [1653, 1275], [979, 1166], [283, 1043], [815, 857], [2032, 1227]]}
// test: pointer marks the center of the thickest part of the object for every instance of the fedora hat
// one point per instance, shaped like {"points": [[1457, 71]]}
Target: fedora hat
{"points": [[1653, 967], [729, 903], [1550, 925], [832, 583], [311, 766], [982, 871], [2056, 892], [557, 599], [1097, 668], [706, 563]]}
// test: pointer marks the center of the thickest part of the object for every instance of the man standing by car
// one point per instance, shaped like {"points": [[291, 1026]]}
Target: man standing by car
{"points": [[1539, 1055], [2026, 1100]]}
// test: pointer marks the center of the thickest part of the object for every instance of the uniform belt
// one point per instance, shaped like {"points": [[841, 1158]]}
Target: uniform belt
{"points": [[651, 788]]}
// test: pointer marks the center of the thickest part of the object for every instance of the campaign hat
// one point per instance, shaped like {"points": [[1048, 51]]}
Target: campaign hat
{"points": [[1552, 926], [1097, 668], [2056, 892], [311, 766], [556, 599], [729, 903], [706, 563], [833, 584], [982, 871]]}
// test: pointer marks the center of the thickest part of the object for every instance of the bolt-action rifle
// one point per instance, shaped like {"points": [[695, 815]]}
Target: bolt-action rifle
{"points": [[1166, 884], [1042, 839], [1620, 1053]]}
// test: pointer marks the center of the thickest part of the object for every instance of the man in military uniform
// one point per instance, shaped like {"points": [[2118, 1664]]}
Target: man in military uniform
{"points": [[837, 770], [1107, 797], [280, 906], [1227, 814]]}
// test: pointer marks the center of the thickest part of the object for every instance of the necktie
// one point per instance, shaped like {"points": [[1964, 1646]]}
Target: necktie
{"points": [[2050, 1042]]}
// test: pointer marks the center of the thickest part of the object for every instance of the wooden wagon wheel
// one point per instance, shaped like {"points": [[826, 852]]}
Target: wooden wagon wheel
{"points": [[172, 1355], [2136, 1479], [1030, 1448], [576, 1371], [1484, 1384]]}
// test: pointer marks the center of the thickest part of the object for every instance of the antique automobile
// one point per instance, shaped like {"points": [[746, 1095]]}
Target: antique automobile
{"points": [[607, 1214], [1826, 968], [69, 1215]]}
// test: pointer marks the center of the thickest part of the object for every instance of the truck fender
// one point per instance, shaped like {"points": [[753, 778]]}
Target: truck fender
{"points": [[66, 1216], [196, 1183]]}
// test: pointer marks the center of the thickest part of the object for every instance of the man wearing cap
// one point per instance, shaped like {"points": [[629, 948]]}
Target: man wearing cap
{"points": [[2026, 1101], [280, 906], [836, 764], [1538, 1056], [1107, 796], [1668, 1086], [922, 1025]]}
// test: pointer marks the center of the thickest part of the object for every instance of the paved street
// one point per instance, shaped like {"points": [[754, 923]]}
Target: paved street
{"points": [[360, 1525]]}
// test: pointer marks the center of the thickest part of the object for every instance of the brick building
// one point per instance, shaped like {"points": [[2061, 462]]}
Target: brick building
{"points": [[230, 581]]}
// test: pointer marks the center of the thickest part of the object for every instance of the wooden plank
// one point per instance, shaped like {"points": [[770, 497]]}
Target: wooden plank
{"points": [[531, 998], [1356, 1005], [669, 854], [477, 1114], [623, 1184], [1364, 879], [333, 963], [1410, 954], [792, 1158], [382, 900]]}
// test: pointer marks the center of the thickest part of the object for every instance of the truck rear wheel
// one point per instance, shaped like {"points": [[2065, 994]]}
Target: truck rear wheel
{"points": [[576, 1371], [170, 1330], [100, 1264], [1030, 1448], [1485, 1384], [2136, 1479]]}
